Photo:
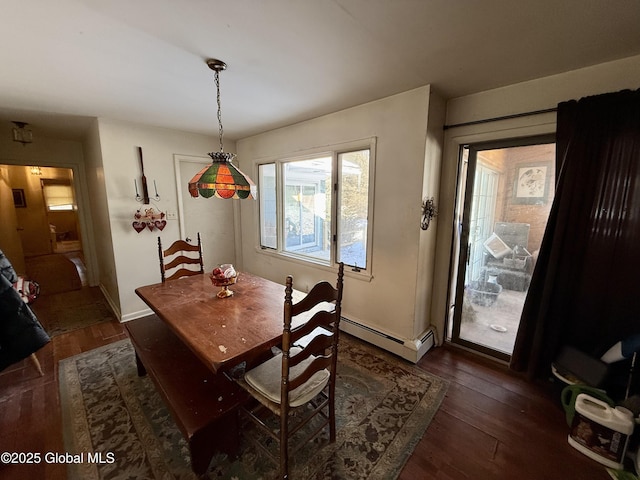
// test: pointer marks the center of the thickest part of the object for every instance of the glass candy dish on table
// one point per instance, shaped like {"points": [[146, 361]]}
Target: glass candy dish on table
{"points": [[223, 276]]}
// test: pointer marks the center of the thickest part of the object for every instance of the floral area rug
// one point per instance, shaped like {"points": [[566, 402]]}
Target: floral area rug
{"points": [[110, 414]]}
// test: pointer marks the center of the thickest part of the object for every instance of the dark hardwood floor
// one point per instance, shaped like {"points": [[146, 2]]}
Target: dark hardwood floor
{"points": [[494, 424], [491, 425], [30, 418]]}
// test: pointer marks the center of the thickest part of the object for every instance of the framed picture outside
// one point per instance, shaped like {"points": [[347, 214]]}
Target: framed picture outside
{"points": [[532, 184], [19, 200]]}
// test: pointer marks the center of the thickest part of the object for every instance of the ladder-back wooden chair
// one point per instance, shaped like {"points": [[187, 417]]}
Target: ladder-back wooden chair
{"points": [[305, 377], [185, 259]]}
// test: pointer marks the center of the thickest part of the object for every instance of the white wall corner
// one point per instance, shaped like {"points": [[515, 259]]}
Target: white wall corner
{"points": [[114, 307], [418, 347]]}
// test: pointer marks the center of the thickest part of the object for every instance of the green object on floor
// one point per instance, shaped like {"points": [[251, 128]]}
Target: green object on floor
{"points": [[621, 474], [569, 394]]}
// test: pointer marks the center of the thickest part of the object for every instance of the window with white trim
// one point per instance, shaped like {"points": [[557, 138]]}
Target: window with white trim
{"points": [[316, 207]]}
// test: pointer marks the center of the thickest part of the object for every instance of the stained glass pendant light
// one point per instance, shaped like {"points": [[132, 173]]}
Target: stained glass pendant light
{"points": [[221, 178]]}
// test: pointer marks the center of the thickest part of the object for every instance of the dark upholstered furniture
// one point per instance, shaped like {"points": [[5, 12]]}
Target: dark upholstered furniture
{"points": [[21, 334]]}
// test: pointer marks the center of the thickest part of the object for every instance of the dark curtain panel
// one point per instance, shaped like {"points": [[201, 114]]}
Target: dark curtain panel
{"points": [[585, 290]]}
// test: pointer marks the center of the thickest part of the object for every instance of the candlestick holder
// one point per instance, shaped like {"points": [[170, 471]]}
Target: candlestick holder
{"points": [[145, 200]]}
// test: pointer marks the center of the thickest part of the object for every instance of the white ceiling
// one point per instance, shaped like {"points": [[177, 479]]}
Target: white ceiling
{"points": [[143, 61]]}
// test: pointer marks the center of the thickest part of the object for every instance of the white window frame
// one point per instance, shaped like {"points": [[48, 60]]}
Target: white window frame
{"points": [[333, 151]]}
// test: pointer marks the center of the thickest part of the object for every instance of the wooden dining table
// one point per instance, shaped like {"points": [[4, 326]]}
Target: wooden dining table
{"points": [[221, 332], [191, 347]]}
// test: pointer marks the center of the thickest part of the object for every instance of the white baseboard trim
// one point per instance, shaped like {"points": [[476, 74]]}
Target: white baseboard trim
{"points": [[139, 314], [412, 350], [129, 316]]}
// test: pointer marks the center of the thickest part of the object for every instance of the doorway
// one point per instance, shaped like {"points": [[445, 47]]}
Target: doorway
{"points": [[504, 202], [42, 223]]}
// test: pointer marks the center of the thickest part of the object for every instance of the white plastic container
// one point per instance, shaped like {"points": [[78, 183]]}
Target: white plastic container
{"points": [[601, 432]]}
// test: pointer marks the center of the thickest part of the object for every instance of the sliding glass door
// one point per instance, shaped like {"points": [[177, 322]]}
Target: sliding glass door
{"points": [[505, 204]]}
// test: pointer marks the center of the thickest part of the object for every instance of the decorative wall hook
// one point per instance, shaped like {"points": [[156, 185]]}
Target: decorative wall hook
{"points": [[429, 212]]}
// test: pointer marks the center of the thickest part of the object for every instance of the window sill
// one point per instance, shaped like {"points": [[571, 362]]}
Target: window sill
{"points": [[362, 275]]}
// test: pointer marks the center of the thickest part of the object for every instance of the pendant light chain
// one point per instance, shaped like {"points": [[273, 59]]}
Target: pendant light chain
{"points": [[220, 133]]}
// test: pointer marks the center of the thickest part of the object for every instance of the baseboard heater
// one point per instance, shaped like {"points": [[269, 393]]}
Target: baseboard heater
{"points": [[411, 350], [372, 330], [429, 337]]}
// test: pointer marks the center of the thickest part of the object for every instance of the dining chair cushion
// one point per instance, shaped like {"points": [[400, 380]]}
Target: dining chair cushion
{"points": [[266, 378]]}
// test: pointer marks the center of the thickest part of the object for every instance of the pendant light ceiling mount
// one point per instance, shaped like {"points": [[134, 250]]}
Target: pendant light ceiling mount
{"points": [[216, 65]]}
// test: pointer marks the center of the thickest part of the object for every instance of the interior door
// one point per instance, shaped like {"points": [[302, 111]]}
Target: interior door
{"points": [[508, 191], [213, 218]]}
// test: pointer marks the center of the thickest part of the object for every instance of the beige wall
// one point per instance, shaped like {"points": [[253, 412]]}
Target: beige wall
{"points": [[395, 299], [129, 259], [103, 257], [427, 240]]}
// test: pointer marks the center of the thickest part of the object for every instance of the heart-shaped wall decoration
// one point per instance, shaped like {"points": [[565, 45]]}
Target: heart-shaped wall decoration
{"points": [[139, 226], [151, 226], [160, 224]]}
